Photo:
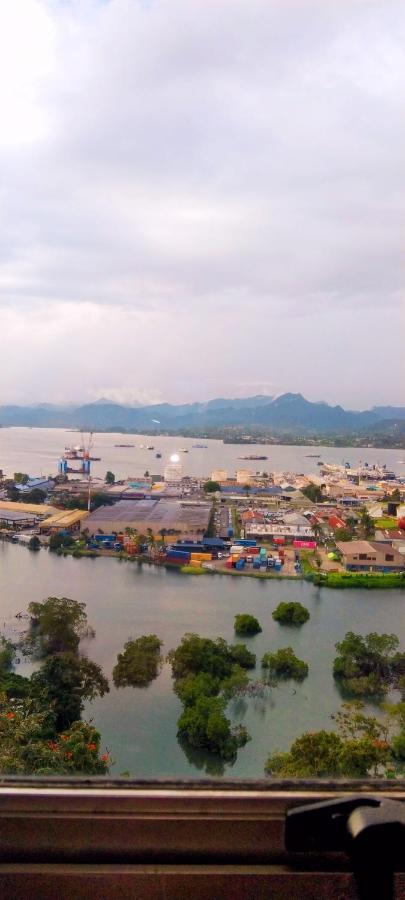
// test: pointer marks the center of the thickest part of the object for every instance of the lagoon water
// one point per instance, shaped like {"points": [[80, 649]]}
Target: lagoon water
{"points": [[126, 599], [37, 450]]}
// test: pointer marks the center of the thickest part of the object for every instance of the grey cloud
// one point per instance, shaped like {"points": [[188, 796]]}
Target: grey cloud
{"points": [[245, 159]]}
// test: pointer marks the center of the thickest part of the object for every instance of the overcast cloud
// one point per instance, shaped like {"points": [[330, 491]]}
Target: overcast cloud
{"points": [[202, 198]]}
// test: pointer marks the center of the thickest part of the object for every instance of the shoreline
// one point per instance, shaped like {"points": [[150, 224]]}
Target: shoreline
{"points": [[342, 580]]}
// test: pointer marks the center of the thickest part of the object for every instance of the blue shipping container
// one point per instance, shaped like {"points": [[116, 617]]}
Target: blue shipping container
{"points": [[245, 542]]}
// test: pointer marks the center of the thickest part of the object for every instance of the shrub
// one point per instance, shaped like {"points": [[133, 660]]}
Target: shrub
{"points": [[140, 663], [291, 614], [285, 664], [247, 624]]}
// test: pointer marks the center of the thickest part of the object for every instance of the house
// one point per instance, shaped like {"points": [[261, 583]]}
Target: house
{"points": [[370, 556]]}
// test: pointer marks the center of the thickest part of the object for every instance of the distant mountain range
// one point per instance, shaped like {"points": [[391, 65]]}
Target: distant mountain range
{"points": [[288, 413]]}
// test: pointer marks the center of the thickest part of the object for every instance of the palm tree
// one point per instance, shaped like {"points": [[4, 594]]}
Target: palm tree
{"points": [[317, 530]]}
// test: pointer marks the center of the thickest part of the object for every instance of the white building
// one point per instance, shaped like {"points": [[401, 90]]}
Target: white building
{"points": [[243, 476], [219, 475], [173, 473]]}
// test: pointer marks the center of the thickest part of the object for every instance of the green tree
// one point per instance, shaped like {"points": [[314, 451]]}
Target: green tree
{"points": [[21, 477], [360, 748], [209, 487], [35, 496], [140, 662], [247, 624], [366, 665], [343, 534], [34, 543], [7, 655], [242, 656], [205, 725], [291, 613], [206, 677], [109, 477], [25, 748], [285, 664], [63, 683], [313, 492], [366, 524], [57, 625], [317, 530]]}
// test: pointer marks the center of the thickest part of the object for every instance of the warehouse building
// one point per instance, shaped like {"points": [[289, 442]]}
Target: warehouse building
{"points": [[184, 518]]}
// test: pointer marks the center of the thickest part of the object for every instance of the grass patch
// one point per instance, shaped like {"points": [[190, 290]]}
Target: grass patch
{"points": [[193, 570], [388, 522], [370, 581]]}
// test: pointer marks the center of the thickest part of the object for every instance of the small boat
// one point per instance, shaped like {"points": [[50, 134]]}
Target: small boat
{"points": [[151, 447], [312, 455], [124, 445], [158, 456], [200, 446], [183, 450]]}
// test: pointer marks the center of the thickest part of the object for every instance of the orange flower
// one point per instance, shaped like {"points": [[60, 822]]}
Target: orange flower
{"points": [[64, 737], [69, 754], [105, 757], [92, 746], [10, 715]]}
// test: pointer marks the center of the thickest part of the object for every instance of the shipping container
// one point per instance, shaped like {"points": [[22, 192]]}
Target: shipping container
{"points": [[246, 542], [202, 557], [256, 563], [236, 548], [240, 564]]}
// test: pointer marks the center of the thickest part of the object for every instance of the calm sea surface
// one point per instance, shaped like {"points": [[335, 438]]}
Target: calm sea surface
{"points": [[126, 599], [37, 450]]}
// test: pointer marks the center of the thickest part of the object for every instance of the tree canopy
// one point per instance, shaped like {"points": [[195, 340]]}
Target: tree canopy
{"points": [[358, 748], [207, 674], [140, 662], [26, 749], [211, 486], [290, 613], [285, 664], [57, 625], [64, 682], [368, 665], [246, 624]]}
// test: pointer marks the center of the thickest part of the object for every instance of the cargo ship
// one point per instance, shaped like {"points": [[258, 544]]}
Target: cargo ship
{"points": [[253, 456], [124, 445]]}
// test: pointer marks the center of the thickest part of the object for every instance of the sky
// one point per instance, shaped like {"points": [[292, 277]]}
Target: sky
{"points": [[202, 199]]}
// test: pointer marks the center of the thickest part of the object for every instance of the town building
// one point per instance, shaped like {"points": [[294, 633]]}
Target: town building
{"points": [[370, 556], [219, 475]]}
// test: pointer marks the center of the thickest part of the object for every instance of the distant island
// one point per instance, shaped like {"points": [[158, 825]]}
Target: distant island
{"points": [[287, 419]]}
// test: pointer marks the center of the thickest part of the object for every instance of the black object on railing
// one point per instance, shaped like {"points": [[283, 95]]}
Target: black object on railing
{"points": [[369, 829]]}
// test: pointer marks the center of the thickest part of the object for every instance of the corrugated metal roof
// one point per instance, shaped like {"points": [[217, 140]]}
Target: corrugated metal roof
{"points": [[39, 509], [64, 518]]}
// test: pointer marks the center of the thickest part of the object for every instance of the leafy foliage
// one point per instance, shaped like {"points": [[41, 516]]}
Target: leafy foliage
{"points": [[25, 748], [63, 683], [140, 663], [207, 675], [247, 624], [204, 724], [7, 654], [313, 492], [291, 613], [57, 624], [211, 486], [285, 664], [368, 665], [34, 543], [360, 748]]}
